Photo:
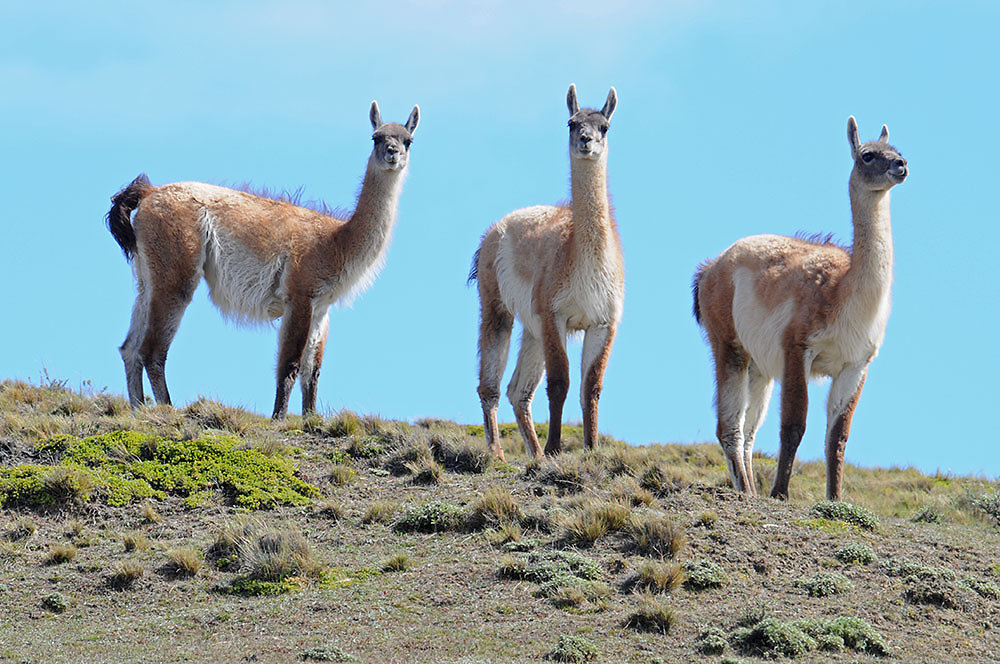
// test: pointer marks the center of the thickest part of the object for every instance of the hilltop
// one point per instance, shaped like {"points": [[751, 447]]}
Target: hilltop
{"points": [[209, 533]]}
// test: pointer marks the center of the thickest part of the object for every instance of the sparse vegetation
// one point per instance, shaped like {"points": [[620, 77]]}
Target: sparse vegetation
{"points": [[652, 615], [846, 512], [825, 584], [573, 649], [852, 552], [657, 535], [933, 590], [432, 517], [60, 553], [702, 574]]}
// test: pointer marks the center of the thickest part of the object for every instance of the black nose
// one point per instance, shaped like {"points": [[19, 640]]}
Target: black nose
{"points": [[899, 162]]}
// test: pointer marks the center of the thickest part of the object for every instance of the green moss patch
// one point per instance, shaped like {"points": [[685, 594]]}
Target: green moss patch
{"points": [[126, 466]]}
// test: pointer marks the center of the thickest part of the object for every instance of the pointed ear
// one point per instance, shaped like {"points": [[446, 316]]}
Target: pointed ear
{"points": [[609, 105], [852, 136], [375, 116], [414, 120], [884, 137], [571, 103]]}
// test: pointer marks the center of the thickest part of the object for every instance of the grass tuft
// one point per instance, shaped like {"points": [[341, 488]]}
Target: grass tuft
{"points": [[380, 511], [656, 577], [397, 563], [60, 553], [657, 535], [184, 561], [125, 573], [652, 615], [494, 507]]}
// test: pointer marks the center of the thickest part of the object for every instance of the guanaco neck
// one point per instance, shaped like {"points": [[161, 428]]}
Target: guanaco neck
{"points": [[591, 209], [368, 231], [869, 279]]}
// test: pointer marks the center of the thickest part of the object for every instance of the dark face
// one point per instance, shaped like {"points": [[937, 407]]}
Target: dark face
{"points": [[879, 166], [392, 146], [588, 131]]}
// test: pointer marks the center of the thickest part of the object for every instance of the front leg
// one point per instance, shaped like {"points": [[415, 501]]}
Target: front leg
{"points": [[557, 379], [840, 405], [292, 338], [312, 360], [596, 349]]}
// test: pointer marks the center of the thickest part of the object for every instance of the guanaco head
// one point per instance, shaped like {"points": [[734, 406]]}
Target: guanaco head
{"points": [[877, 165], [392, 140], [588, 129]]}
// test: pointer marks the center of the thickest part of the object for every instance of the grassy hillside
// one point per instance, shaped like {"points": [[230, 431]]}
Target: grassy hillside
{"points": [[210, 534]]}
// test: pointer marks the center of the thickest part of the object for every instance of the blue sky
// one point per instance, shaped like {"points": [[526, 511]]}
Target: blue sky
{"points": [[731, 121]]}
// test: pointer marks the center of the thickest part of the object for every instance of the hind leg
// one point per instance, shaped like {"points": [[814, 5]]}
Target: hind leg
{"points": [[732, 398], [165, 312], [312, 359], [759, 394], [495, 324], [129, 349], [521, 390]]}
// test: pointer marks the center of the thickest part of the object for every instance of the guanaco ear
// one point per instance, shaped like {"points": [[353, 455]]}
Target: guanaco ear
{"points": [[571, 103], [414, 120], [852, 136], [375, 116], [884, 137], [609, 105]]}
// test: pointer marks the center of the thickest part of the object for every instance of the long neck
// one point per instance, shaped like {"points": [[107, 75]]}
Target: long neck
{"points": [[591, 209], [369, 229], [870, 276]]}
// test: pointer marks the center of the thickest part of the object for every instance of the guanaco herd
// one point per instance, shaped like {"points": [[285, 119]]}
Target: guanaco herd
{"points": [[772, 307]]}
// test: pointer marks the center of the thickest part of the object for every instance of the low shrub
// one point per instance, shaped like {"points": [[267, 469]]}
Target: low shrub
{"points": [[573, 649], [861, 554], [825, 584], [432, 517], [846, 512]]}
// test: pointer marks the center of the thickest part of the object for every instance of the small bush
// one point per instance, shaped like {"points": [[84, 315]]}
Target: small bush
{"points": [[573, 649], [21, 529], [124, 574], [703, 574], [653, 615], [846, 512], [861, 554], [989, 505], [397, 563], [55, 603], [772, 638], [928, 515], [267, 554], [149, 514], [69, 485], [458, 455], [593, 520], [328, 654], [60, 553], [135, 542], [494, 507], [432, 517], [858, 635], [341, 475], [184, 561], [985, 589], [380, 511], [657, 536], [711, 641], [657, 577], [331, 511], [825, 584]]}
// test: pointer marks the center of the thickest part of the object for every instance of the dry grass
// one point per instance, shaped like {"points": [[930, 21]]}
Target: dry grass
{"points": [[125, 573], [400, 562], [656, 577], [60, 553], [341, 475], [495, 507], [652, 615], [657, 535], [594, 519], [184, 561], [135, 542], [149, 513], [380, 511], [269, 554]]}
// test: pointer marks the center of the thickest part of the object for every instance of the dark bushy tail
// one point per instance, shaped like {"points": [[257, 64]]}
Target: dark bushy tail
{"points": [[694, 289], [120, 215], [474, 270]]}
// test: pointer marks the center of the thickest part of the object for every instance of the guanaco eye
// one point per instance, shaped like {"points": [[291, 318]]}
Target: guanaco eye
{"points": [[407, 142], [867, 157]]}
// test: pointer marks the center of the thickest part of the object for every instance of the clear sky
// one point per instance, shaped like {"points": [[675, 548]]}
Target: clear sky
{"points": [[730, 122]]}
